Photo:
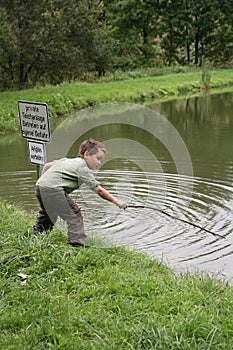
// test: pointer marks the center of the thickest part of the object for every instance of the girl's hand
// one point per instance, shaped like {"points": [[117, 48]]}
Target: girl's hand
{"points": [[106, 195], [121, 205]]}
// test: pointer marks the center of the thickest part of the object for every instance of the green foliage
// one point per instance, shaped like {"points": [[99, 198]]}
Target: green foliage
{"points": [[52, 41], [134, 27], [54, 296], [173, 32], [49, 42]]}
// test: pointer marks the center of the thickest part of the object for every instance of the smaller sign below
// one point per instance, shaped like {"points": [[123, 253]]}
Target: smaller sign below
{"points": [[34, 120], [37, 152]]}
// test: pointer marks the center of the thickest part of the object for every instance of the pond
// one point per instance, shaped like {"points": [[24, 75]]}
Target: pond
{"points": [[175, 156]]}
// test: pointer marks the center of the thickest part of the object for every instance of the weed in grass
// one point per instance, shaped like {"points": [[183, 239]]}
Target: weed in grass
{"points": [[206, 76]]}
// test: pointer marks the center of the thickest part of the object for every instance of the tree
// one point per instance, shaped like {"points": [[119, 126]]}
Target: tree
{"points": [[187, 29], [133, 24], [7, 43], [204, 22], [221, 52], [51, 40], [174, 31]]}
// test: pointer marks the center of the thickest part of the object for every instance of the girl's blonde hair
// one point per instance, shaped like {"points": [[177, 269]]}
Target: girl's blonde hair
{"points": [[92, 146]]}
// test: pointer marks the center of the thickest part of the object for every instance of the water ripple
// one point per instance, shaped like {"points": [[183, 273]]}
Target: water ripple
{"points": [[177, 243]]}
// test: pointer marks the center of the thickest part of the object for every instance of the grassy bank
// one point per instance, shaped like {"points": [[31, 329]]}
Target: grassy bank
{"points": [[57, 297], [67, 98]]}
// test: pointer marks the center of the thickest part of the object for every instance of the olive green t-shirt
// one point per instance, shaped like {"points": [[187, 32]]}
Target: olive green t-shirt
{"points": [[68, 174]]}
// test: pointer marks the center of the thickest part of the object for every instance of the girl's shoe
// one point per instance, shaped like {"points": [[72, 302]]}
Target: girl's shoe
{"points": [[75, 243]]}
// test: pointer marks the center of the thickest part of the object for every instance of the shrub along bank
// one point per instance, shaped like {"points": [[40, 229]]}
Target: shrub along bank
{"points": [[56, 297]]}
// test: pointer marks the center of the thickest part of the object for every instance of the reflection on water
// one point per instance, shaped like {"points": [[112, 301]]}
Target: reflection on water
{"points": [[206, 126], [18, 187], [17, 175]]}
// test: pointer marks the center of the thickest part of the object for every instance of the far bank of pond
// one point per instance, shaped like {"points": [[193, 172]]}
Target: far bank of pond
{"points": [[64, 99]]}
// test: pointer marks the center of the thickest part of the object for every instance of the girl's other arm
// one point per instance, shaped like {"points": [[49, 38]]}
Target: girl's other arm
{"points": [[106, 195], [46, 167]]}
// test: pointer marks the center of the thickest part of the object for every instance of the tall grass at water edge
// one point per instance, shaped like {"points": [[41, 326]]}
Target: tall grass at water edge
{"points": [[134, 88], [54, 296]]}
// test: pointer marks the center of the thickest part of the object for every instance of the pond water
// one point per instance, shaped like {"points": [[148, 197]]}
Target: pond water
{"points": [[176, 156]]}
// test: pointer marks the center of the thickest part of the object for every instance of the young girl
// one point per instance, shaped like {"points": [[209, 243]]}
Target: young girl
{"points": [[61, 177]]}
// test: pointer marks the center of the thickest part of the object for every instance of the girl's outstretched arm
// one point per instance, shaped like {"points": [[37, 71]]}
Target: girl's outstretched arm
{"points": [[107, 195]]}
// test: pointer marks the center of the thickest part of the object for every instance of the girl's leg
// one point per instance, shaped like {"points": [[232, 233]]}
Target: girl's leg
{"points": [[76, 231], [44, 222], [58, 203]]}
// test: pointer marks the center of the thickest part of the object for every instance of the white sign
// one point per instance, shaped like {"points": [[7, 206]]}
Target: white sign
{"points": [[34, 120], [37, 153]]}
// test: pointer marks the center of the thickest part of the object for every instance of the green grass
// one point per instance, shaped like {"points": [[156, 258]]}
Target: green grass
{"points": [[67, 98], [56, 297]]}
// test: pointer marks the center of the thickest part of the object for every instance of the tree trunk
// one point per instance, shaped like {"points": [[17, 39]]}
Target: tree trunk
{"points": [[187, 46], [196, 47]]}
